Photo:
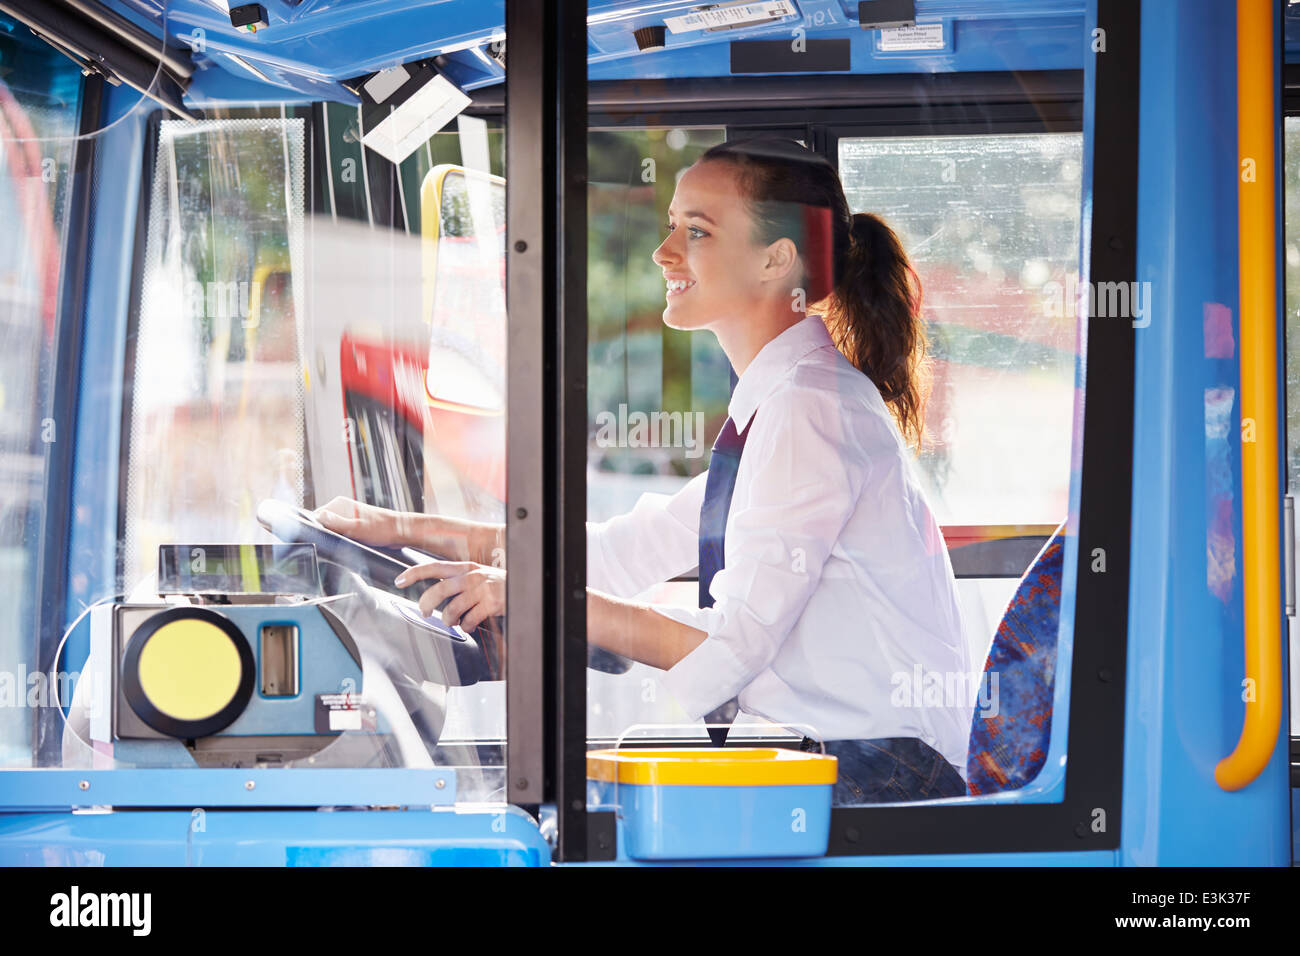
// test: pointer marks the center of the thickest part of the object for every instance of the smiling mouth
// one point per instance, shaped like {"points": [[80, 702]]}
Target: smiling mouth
{"points": [[677, 286]]}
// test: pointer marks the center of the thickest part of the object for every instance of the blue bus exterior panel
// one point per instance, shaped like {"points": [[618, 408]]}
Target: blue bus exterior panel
{"points": [[1185, 664], [486, 836]]}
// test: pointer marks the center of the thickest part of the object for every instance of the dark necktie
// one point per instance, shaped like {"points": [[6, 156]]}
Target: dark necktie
{"points": [[713, 531]]}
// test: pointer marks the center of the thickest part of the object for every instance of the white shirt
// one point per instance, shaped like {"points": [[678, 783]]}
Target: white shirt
{"points": [[836, 606]]}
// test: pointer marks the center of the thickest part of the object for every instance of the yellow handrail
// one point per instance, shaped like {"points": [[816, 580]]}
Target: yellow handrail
{"points": [[1257, 280]]}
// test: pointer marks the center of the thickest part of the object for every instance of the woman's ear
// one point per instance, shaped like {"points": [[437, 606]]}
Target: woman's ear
{"points": [[782, 259]]}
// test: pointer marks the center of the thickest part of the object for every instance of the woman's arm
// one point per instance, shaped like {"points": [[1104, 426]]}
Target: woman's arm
{"points": [[452, 538], [475, 593], [655, 541], [638, 631]]}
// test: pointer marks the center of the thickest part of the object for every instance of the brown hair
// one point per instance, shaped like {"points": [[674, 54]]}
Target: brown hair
{"points": [[853, 264]]}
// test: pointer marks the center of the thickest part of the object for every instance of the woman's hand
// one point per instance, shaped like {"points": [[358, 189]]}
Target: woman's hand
{"points": [[474, 592]]}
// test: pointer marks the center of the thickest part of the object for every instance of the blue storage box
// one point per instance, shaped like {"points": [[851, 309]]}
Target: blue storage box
{"points": [[707, 803]]}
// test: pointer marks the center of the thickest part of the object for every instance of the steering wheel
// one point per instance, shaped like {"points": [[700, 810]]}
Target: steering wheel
{"points": [[379, 566]]}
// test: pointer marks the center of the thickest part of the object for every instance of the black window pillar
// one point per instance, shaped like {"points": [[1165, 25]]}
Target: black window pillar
{"points": [[546, 240]]}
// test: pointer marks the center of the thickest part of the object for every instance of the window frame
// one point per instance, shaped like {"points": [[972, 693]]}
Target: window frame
{"points": [[1095, 734], [52, 562]]}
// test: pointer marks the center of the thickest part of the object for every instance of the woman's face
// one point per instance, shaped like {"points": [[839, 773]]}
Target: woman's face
{"points": [[715, 272]]}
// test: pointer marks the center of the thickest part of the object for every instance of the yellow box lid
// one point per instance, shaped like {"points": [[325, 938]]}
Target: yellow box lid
{"points": [[712, 767]]}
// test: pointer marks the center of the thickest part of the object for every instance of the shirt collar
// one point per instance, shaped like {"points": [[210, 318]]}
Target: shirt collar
{"points": [[769, 366]]}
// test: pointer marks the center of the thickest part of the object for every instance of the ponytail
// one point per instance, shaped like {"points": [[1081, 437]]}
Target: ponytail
{"points": [[854, 265], [874, 317]]}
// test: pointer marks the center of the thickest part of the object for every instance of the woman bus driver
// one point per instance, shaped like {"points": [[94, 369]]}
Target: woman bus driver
{"points": [[826, 589]]}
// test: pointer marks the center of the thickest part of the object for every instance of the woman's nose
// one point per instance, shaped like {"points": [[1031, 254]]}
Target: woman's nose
{"points": [[665, 254]]}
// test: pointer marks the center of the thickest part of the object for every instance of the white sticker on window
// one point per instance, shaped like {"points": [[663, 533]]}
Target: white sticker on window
{"points": [[345, 720], [923, 36], [732, 16], [387, 82]]}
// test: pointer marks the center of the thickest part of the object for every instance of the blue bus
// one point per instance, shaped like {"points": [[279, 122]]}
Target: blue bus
{"points": [[257, 258]]}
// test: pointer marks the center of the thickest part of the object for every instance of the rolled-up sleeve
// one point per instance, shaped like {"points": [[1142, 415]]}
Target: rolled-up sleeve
{"points": [[798, 484], [657, 540]]}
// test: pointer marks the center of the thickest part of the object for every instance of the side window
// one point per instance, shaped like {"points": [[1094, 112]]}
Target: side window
{"points": [[991, 223], [1291, 186], [40, 102], [310, 333], [218, 376]]}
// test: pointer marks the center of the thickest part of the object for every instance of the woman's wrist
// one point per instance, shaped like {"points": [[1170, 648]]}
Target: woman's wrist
{"points": [[461, 540], [601, 611], [486, 543]]}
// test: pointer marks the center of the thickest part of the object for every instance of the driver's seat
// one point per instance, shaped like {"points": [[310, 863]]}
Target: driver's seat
{"points": [[1008, 750]]}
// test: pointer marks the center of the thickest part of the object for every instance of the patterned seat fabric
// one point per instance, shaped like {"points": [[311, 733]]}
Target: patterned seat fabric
{"points": [[1008, 747]]}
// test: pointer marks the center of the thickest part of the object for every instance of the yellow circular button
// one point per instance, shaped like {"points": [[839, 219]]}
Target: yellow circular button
{"points": [[189, 669]]}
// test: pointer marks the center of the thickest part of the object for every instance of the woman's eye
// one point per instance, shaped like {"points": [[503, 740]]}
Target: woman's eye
{"points": [[695, 232]]}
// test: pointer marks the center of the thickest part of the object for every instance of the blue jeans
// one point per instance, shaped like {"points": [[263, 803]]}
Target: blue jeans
{"points": [[889, 770]]}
